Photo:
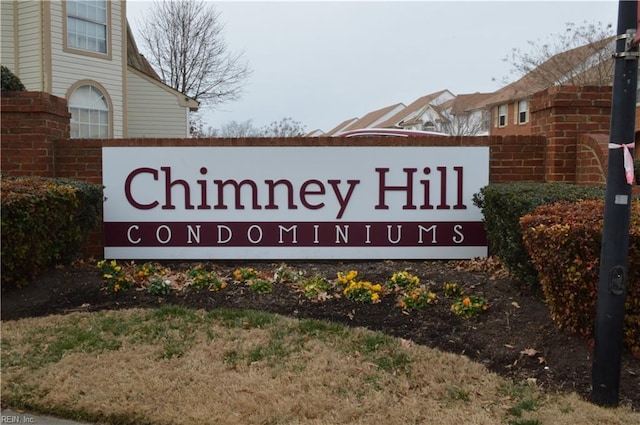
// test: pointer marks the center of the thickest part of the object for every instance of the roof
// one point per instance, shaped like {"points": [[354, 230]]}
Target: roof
{"points": [[381, 132], [340, 127], [557, 70], [315, 133], [464, 103], [414, 109], [373, 118], [136, 59]]}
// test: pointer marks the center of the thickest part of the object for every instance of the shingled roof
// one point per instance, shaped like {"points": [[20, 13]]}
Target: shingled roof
{"points": [[413, 110], [136, 59], [562, 68], [340, 127], [373, 118], [465, 103]]}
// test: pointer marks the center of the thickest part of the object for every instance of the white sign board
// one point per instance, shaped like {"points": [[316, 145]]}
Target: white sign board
{"points": [[297, 202]]}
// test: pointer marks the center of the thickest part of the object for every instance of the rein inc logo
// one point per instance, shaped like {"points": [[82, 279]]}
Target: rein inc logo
{"points": [[293, 202], [17, 419]]}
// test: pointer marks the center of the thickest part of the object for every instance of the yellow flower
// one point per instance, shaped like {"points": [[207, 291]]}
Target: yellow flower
{"points": [[375, 298]]}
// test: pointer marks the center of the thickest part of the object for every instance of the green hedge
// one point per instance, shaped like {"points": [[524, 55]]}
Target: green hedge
{"points": [[504, 204], [564, 242], [9, 81], [44, 222]]}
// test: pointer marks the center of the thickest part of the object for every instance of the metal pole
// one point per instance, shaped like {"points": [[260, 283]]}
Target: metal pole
{"points": [[612, 287]]}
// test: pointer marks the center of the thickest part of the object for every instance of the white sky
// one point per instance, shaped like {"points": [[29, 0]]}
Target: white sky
{"points": [[322, 62]]}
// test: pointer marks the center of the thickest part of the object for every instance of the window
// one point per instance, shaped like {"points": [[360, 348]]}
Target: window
{"points": [[502, 115], [87, 25], [486, 120], [428, 126], [523, 107], [89, 113]]}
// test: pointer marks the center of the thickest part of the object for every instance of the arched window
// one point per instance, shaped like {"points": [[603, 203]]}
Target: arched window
{"points": [[428, 126], [89, 113]]}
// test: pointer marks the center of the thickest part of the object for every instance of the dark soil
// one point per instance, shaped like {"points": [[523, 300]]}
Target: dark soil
{"points": [[514, 338]]}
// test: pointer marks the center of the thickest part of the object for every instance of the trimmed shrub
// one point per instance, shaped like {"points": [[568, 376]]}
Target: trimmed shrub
{"points": [[564, 242], [504, 204], [44, 222], [10, 82]]}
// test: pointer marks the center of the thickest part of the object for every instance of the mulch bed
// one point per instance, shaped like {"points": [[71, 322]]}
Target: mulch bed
{"points": [[514, 338]]}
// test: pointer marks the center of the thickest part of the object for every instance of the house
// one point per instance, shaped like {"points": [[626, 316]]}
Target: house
{"points": [[589, 64], [83, 51], [341, 127], [314, 133], [441, 111], [422, 114], [467, 115], [374, 118], [506, 111]]}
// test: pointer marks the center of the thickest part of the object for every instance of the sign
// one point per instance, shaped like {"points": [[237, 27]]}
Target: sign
{"points": [[297, 202]]}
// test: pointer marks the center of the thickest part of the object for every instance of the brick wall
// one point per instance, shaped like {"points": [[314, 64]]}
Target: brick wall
{"points": [[32, 123], [561, 114], [591, 159], [35, 141]]}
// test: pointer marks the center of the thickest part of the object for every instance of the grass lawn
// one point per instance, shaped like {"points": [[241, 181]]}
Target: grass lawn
{"points": [[175, 365]]}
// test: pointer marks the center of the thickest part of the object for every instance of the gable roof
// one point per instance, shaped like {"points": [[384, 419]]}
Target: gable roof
{"points": [[136, 59], [465, 103], [315, 133], [414, 109], [373, 118], [340, 127]]}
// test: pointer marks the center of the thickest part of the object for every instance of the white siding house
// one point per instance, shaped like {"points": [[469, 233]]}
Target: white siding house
{"points": [[81, 50]]}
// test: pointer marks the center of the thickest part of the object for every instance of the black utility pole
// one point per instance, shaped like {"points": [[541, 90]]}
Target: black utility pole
{"points": [[615, 235]]}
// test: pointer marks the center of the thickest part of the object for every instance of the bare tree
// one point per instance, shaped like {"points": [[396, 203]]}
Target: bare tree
{"points": [[581, 55], [183, 40], [198, 127], [467, 124], [286, 127], [234, 129]]}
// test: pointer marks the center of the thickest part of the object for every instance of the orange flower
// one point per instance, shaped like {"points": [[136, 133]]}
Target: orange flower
{"points": [[116, 288], [466, 302]]}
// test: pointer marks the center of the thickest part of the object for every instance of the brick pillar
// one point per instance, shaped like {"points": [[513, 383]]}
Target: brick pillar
{"points": [[31, 124], [561, 114]]}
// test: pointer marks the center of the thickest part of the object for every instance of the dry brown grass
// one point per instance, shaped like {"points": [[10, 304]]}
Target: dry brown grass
{"points": [[176, 366]]}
